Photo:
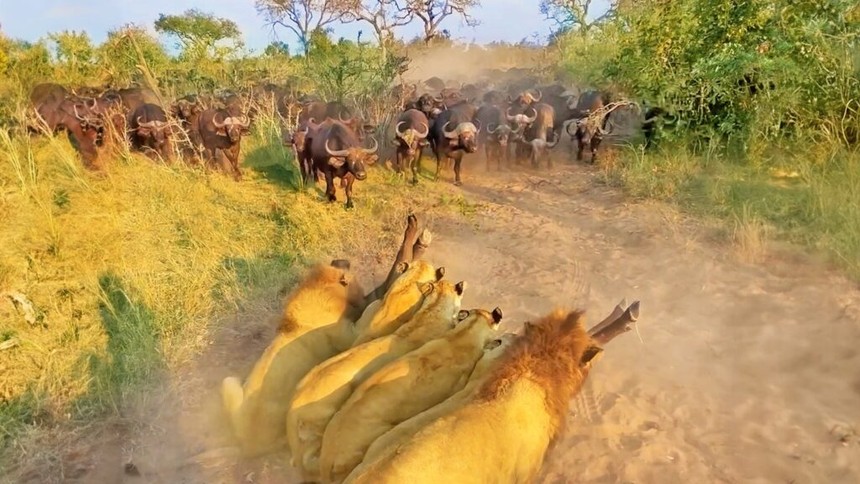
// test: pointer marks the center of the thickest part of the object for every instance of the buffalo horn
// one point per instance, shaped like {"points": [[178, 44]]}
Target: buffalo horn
{"points": [[335, 154], [450, 134], [371, 151], [426, 131], [397, 128]]}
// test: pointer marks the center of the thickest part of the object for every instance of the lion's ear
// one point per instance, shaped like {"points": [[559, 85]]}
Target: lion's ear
{"points": [[463, 314], [590, 356], [460, 287], [440, 273], [497, 315], [401, 267]]}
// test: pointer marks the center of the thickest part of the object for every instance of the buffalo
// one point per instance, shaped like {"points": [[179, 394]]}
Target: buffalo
{"points": [[335, 150], [221, 131], [496, 136], [150, 132], [411, 137], [590, 122], [539, 135], [454, 134], [298, 140]]}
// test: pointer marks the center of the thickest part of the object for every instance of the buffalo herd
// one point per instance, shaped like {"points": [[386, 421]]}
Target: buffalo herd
{"points": [[509, 120]]}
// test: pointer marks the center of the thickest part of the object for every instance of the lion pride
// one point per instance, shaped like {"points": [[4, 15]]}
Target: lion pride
{"points": [[402, 389], [399, 303], [502, 434], [324, 389], [316, 324]]}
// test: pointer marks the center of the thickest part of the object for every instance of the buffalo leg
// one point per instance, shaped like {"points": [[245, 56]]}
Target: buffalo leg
{"points": [[415, 166], [579, 146], [347, 182], [232, 154], [595, 143], [330, 192], [457, 159], [438, 165]]}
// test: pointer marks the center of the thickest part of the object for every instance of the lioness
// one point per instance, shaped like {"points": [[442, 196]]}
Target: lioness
{"points": [[315, 325], [402, 389], [399, 304], [406, 429], [501, 434], [324, 389]]}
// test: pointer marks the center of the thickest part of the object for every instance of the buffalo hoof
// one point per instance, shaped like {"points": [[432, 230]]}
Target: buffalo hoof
{"points": [[458, 183], [349, 204], [414, 181], [332, 198]]}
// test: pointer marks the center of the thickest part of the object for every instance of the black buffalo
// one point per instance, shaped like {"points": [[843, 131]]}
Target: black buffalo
{"points": [[336, 151], [221, 131], [411, 133], [452, 135], [496, 136], [150, 132]]}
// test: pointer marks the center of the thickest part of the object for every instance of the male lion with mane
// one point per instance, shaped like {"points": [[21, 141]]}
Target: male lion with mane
{"points": [[503, 433]]}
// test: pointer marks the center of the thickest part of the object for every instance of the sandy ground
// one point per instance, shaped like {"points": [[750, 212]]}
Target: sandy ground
{"points": [[738, 372]]}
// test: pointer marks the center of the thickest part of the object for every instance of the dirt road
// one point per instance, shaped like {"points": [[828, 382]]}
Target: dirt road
{"points": [[739, 373]]}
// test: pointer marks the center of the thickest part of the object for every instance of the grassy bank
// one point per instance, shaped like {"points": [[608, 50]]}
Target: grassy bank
{"points": [[809, 197], [126, 270]]}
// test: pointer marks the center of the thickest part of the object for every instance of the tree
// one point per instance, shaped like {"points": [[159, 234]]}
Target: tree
{"points": [[128, 53], [433, 12], [573, 14], [75, 54], [199, 32], [301, 17], [383, 16]]}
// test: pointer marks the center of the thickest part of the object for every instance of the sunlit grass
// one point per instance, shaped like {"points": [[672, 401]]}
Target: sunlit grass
{"points": [[128, 268]]}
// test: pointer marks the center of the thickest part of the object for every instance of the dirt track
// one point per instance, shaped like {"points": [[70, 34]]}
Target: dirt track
{"points": [[739, 373]]}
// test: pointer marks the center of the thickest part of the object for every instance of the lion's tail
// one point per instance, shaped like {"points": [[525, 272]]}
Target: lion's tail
{"points": [[232, 395]]}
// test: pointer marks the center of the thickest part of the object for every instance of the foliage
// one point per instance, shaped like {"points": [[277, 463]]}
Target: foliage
{"points": [[198, 33], [75, 55], [748, 72], [302, 17]]}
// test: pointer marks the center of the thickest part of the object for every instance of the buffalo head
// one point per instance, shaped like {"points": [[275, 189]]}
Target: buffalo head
{"points": [[233, 127], [355, 159], [521, 120], [501, 133], [300, 135], [411, 139], [463, 136], [155, 130]]}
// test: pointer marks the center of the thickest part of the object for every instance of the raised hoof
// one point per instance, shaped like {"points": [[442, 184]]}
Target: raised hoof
{"points": [[458, 183]]}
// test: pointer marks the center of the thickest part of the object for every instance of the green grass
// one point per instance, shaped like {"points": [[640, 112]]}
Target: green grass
{"points": [[818, 207], [128, 268]]}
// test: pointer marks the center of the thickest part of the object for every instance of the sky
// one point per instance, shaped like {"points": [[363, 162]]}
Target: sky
{"points": [[500, 20]]}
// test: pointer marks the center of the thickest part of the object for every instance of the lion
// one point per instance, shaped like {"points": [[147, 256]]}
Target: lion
{"points": [[402, 389], [408, 428], [501, 435], [323, 390], [402, 299], [316, 323]]}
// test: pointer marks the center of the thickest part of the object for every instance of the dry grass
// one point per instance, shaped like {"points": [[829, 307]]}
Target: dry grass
{"points": [[128, 268], [807, 195]]}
